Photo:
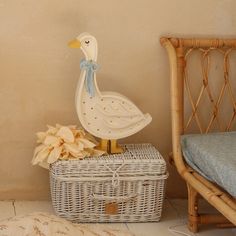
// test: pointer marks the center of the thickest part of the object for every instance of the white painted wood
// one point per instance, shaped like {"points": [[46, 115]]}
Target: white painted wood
{"points": [[107, 115]]}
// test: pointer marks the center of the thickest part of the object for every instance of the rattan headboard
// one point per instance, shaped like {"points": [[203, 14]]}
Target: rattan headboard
{"points": [[203, 84], [212, 63]]}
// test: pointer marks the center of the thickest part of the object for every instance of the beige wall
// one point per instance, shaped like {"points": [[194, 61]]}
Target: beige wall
{"points": [[38, 72]]}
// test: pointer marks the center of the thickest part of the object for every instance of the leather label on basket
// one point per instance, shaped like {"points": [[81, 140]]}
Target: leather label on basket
{"points": [[111, 208]]}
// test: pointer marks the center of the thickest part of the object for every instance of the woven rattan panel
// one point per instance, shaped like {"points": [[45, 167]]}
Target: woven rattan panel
{"points": [[209, 89]]}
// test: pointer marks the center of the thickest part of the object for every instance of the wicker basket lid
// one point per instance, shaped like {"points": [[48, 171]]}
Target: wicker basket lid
{"points": [[137, 160]]}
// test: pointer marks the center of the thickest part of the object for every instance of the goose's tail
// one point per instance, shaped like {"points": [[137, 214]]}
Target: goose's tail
{"points": [[147, 118]]}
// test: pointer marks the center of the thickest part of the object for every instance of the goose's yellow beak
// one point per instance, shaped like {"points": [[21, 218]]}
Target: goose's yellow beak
{"points": [[74, 44]]}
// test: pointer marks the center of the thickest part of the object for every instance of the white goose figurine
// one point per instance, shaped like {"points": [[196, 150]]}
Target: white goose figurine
{"points": [[107, 115]]}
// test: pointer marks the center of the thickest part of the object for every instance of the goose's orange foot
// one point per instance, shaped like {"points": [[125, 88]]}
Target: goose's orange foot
{"points": [[110, 146], [103, 145], [114, 148]]}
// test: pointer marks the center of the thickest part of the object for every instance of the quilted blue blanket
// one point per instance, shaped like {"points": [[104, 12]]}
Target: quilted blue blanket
{"points": [[213, 156]]}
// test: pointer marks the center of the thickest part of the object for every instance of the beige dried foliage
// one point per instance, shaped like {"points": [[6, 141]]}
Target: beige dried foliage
{"points": [[63, 142]]}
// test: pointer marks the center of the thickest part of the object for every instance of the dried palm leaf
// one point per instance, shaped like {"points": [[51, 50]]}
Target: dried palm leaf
{"points": [[66, 134], [54, 154], [63, 142], [87, 143], [51, 130], [52, 141], [41, 155]]}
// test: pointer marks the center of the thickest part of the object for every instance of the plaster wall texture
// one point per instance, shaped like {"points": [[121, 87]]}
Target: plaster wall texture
{"points": [[38, 72]]}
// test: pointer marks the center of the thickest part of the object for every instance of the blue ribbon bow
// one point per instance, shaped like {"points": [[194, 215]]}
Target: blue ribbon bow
{"points": [[90, 67]]}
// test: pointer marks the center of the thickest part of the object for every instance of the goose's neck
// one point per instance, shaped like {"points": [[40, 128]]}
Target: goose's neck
{"points": [[88, 58], [90, 55], [88, 81]]}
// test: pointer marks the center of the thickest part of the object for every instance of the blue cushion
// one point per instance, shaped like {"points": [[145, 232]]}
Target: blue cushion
{"points": [[213, 155]]}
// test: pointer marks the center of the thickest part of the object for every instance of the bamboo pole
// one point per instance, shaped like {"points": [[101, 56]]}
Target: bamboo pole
{"points": [[176, 107], [201, 43], [224, 196]]}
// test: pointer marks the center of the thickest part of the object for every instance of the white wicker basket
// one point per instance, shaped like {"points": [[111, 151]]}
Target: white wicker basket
{"points": [[127, 187]]}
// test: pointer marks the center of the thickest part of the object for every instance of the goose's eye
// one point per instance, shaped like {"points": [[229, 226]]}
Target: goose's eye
{"points": [[87, 42]]}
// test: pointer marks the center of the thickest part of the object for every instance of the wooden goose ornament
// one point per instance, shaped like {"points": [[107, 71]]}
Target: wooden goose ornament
{"points": [[106, 115]]}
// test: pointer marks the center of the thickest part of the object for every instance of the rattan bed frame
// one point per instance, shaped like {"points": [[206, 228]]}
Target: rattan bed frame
{"points": [[179, 50]]}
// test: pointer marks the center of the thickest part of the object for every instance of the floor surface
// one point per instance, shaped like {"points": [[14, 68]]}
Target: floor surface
{"points": [[174, 213]]}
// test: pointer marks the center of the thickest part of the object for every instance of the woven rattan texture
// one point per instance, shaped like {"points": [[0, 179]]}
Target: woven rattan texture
{"points": [[211, 99], [132, 182], [203, 106]]}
